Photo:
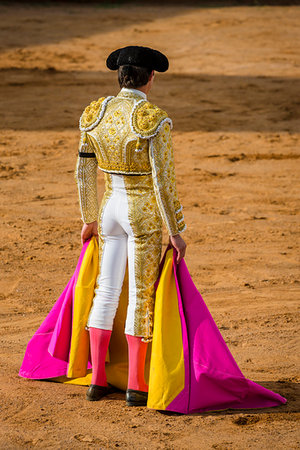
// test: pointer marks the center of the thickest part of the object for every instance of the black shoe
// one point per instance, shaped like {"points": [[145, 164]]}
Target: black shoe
{"points": [[136, 398], [95, 392]]}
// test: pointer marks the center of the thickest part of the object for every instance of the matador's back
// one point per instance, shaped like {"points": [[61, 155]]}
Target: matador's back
{"points": [[128, 135], [119, 129]]}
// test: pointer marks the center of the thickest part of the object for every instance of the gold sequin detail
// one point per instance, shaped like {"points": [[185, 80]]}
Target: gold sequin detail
{"points": [[163, 170], [86, 178], [117, 148], [91, 112], [146, 223], [146, 118]]}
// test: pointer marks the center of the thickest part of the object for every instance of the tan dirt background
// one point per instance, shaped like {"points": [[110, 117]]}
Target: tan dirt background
{"points": [[233, 93]]}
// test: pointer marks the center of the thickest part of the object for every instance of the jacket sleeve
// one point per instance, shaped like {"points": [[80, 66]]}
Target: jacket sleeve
{"points": [[163, 172], [86, 178]]}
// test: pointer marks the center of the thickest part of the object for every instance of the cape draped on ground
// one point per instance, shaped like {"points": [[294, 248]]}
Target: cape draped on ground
{"points": [[189, 365]]}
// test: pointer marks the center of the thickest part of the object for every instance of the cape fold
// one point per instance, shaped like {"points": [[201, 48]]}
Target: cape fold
{"points": [[189, 364]]}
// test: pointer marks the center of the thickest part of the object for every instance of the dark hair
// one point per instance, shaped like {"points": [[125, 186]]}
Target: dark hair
{"points": [[133, 76]]}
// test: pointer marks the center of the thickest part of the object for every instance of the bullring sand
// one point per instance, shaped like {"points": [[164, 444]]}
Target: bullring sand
{"points": [[232, 94]]}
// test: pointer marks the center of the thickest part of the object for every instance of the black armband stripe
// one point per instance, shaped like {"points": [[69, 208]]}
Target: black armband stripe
{"points": [[86, 155]]}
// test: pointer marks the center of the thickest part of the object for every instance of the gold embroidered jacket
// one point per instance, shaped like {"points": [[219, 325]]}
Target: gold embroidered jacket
{"points": [[127, 135]]}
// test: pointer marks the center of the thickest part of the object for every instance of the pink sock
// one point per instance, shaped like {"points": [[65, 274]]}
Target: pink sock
{"points": [[99, 340], [137, 355]]}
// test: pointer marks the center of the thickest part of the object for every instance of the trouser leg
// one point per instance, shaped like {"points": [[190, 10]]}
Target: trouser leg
{"points": [[109, 282], [105, 303], [143, 264]]}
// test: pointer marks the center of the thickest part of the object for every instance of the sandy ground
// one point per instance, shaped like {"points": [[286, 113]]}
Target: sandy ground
{"points": [[232, 93]]}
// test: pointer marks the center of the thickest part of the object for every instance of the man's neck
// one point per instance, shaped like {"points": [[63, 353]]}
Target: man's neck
{"points": [[144, 89]]}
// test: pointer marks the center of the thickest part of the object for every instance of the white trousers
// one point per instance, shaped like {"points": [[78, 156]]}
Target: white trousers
{"points": [[118, 245]]}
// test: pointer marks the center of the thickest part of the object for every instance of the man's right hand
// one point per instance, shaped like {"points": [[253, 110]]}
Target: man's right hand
{"points": [[89, 230], [180, 246]]}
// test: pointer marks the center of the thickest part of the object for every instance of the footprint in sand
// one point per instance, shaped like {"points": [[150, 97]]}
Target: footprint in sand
{"points": [[246, 420]]}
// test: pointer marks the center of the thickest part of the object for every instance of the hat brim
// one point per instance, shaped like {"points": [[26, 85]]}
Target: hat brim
{"points": [[138, 56]]}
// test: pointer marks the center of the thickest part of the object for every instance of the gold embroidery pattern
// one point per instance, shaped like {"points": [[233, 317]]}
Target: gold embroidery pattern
{"points": [[93, 113], [117, 148], [147, 118], [86, 178], [163, 172], [130, 95], [145, 220]]}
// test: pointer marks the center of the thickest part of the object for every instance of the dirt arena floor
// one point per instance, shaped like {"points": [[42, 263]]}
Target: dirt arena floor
{"points": [[232, 94]]}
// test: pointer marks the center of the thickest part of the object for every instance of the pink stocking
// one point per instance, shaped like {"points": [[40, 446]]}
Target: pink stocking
{"points": [[99, 340], [136, 354]]}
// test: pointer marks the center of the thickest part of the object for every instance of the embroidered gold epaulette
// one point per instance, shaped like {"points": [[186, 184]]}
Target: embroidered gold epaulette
{"points": [[147, 119], [93, 113]]}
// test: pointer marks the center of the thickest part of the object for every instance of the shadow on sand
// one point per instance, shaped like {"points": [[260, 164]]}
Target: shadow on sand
{"points": [[37, 99]]}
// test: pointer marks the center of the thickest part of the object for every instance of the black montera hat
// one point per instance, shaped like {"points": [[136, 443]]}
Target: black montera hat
{"points": [[138, 56]]}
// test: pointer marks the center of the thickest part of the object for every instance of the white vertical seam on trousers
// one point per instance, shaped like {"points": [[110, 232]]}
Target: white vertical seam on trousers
{"points": [[103, 247], [131, 257]]}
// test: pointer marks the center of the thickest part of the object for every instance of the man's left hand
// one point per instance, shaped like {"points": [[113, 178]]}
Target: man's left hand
{"points": [[89, 230]]}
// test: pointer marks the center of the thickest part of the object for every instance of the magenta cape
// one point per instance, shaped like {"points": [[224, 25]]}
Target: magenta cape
{"points": [[47, 352], [191, 368]]}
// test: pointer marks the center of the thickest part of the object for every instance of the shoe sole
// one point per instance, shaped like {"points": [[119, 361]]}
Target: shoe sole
{"points": [[94, 399], [97, 398], [136, 404]]}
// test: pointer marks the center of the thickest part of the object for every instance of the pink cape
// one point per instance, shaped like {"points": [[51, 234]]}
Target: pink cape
{"points": [[47, 352], [212, 378]]}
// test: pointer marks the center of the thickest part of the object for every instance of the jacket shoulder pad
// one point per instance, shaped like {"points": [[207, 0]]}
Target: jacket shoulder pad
{"points": [[147, 119], [93, 113]]}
